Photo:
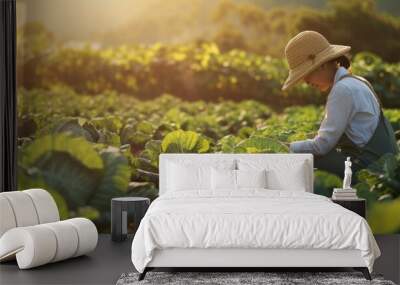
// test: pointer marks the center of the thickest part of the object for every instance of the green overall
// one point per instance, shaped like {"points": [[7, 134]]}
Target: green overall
{"points": [[382, 141]]}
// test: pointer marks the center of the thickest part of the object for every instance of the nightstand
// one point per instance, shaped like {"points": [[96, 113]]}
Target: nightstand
{"points": [[357, 205], [120, 208]]}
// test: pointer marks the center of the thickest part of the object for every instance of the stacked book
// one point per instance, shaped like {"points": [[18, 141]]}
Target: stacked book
{"points": [[344, 194]]}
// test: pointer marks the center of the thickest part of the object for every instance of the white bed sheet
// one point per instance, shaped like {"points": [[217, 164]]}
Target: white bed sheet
{"points": [[252, 218]]}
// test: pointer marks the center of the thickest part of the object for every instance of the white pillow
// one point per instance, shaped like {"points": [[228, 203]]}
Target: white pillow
{"points": [[294, 179], [281, 174], [188, 174], [182, 177], [251, 178], [223, 179], [228, 179]]}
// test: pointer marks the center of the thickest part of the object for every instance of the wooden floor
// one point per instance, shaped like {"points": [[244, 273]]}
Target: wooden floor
{"points": [[103, 266], [110, 259]]}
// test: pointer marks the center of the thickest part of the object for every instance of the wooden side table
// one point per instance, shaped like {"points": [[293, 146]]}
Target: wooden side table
{"points": [[357, 205], [120, 207]]}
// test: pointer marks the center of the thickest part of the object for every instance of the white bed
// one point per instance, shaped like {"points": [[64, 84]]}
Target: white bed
{"points": [[250, 227]]}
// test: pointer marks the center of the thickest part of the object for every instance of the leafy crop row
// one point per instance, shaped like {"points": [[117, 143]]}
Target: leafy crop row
{"points": [[193, 72], [87, 149]]}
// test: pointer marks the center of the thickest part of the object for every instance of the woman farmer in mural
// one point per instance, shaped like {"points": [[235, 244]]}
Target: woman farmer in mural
{"points": [[354, 124]]}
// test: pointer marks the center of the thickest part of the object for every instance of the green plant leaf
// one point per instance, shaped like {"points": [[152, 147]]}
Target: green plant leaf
{"points": [[77, 127], [145, 127], [143, 189], [384, 217], [33, 179], [152, 150], [258, 144], [61, 204], [324, 182], [228, 143], [110, 123], [184, 142], [114, 180], [76, 147], [88, 213], [69, 177]]}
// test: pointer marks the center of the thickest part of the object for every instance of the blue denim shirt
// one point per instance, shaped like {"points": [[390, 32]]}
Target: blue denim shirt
{"points": [[351, 108]]}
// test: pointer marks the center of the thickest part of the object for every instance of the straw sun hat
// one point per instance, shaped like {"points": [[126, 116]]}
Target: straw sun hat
{"points": [[307, 51]]}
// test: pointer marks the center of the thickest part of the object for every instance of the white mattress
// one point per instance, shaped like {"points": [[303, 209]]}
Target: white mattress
{"points": [[258, 219]]}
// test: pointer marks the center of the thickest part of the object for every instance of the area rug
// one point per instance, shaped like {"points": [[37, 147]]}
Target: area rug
{"points": [[243, 278]]}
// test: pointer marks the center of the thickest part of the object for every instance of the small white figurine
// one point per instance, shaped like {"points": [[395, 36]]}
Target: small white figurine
{"points": [[347, 174]]}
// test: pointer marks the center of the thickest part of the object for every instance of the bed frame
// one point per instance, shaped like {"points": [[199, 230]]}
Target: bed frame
{"points": [[246, 259], [242, 259]]}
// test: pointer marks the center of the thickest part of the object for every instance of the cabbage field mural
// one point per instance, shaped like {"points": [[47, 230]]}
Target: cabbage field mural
{"points": [[92, 119]]}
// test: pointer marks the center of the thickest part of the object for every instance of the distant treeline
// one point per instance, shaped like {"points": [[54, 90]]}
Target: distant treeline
{"points": [[258, 26], [357, 23]]}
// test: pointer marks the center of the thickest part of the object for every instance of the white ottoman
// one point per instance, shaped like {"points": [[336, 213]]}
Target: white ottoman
{"points": [[31, 232]]}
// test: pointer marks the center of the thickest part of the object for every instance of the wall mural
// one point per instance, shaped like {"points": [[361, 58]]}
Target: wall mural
{"points": [[104, 87]]}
